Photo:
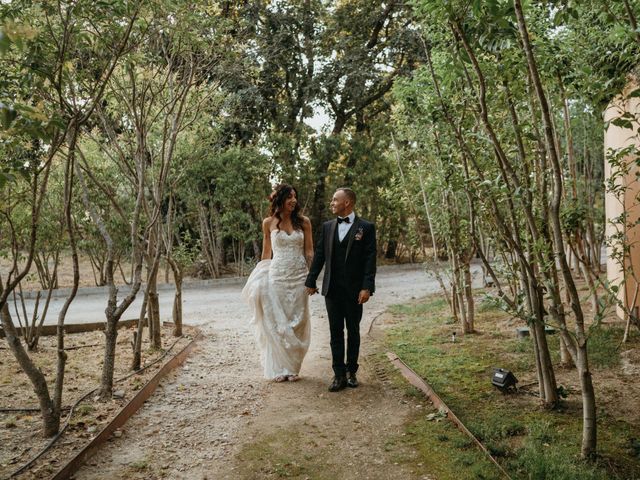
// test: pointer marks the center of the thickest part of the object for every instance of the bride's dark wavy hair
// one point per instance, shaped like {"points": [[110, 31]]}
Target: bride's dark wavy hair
{"points": [[280, 195]]}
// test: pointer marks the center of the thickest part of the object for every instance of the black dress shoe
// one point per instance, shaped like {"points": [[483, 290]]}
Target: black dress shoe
{"points": [[339, 383], [352, 381]]}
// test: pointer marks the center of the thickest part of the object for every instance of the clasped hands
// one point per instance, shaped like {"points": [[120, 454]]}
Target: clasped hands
{"points": [[363, 296]]}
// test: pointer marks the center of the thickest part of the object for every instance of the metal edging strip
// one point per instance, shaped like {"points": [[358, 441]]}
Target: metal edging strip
{"points": [[414, 379]]}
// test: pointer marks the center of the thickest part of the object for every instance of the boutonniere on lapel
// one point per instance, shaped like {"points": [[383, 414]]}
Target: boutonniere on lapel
{"points": [[359, 234]]}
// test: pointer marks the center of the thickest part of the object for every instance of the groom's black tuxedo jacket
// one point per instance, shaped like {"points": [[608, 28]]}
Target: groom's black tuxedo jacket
{"points": [[359, 263]]}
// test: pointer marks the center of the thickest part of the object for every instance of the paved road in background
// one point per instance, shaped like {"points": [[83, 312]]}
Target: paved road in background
{"points": [[200, 301]]}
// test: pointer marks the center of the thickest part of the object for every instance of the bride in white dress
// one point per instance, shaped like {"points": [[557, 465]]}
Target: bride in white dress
{"points": [[275, 289]]}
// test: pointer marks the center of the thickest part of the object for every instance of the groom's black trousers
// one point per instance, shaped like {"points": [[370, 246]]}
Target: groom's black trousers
{"points": [[343, 309]]}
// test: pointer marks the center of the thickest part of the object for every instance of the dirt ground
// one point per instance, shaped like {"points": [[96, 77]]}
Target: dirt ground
{"points": [[20, 421], [617, 389], [217, 418]]}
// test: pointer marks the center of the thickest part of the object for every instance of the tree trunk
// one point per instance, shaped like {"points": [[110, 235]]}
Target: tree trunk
{"points": [[550, 397], [154, 315], [588, 394], [177, 301], [546, 376], [589, 424], [539, 369], [177, 310], [390, 251], [460, 293], [51, 422], [587, 272], [565, 356], [425, 203], [153, 302], [469, 298], [108, 366], [60, 368], [136, 362], [151, 324], [37, 329], [208, 242], [69, 225], [454, 302]]}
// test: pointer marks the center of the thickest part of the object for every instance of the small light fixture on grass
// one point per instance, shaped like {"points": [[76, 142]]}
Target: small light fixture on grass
{"points": [[504, 380]]}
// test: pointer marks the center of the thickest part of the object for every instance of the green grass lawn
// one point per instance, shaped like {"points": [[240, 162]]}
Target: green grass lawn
{"points": [[528, 441]]}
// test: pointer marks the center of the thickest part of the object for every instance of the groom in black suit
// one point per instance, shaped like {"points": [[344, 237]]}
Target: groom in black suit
{"points": [[347, 250]]}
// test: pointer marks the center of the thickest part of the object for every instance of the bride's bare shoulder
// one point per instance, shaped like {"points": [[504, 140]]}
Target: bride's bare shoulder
{"points": [[267, 222]]}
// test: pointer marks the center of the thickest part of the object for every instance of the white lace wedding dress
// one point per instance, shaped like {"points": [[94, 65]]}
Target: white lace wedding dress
{"points": [[280, 306]]}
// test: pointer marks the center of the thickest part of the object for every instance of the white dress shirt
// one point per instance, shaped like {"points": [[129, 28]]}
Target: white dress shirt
{"points": [[343, 228]]}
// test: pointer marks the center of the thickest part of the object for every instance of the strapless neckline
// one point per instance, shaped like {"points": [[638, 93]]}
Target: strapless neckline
{"points": [[285, 232]]}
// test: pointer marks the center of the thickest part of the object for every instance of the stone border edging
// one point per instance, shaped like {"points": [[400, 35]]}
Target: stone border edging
{"points": [[125, 413]]}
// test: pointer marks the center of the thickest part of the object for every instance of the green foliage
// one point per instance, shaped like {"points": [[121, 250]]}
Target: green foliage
{"points": [[489, 304], [263, 70], [604, 345], [573, 217], [270, 67], [234, 182], [540, 460], [448, 453]]}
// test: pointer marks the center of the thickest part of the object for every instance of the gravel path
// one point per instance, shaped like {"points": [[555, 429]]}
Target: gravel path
{"points": [[206, 415]]}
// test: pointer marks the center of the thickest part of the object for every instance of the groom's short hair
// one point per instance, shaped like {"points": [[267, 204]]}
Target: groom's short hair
{"points": [[351, 195]]}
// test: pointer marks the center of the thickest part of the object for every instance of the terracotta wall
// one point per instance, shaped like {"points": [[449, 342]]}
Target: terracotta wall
{"points": [[618, 138]]}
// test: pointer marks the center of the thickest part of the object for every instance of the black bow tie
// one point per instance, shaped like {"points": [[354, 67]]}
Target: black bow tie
{"points": [[345, 220]]}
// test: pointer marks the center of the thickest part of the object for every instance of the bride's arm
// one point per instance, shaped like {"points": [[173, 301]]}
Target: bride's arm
{"points": [[266, 239], [308, 241]]}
